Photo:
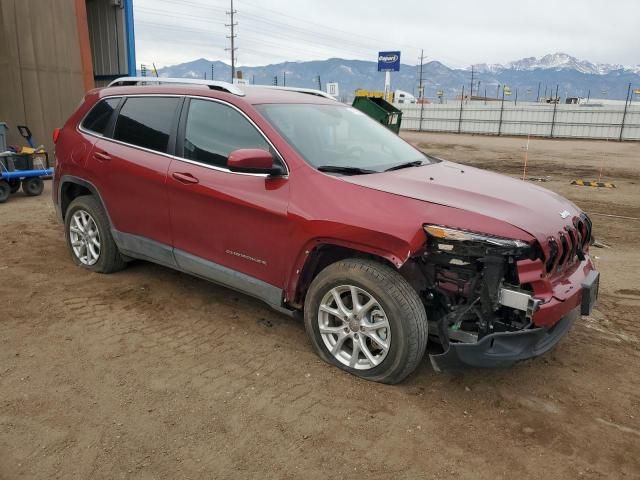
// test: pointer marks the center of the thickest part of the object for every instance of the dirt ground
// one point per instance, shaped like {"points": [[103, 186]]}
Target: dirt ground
{"points": [[150, 373]]}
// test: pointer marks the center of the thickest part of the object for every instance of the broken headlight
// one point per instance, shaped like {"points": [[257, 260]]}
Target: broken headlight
{"points": [[470, 243]]}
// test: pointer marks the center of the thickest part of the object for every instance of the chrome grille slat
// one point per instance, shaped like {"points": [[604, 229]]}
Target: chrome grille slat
{"points": [[566, 246]]}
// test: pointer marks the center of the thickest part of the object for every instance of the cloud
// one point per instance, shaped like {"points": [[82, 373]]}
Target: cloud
{"points": [[456, 33]]}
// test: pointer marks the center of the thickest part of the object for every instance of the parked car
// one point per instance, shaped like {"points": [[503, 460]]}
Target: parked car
{"points": [[311, 206]]}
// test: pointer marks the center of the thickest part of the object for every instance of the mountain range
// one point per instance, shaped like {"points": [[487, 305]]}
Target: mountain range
{"points": [[574, 77]]}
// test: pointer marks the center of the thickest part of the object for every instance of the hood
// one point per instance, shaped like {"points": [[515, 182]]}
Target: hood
{"points": [[528, 207]]}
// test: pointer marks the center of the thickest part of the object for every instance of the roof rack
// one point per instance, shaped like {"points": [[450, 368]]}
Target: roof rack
{"points": [[309, 91], [212, 84]]}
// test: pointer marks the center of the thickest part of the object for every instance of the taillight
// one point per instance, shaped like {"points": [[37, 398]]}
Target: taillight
{"points": [[56, 134]]}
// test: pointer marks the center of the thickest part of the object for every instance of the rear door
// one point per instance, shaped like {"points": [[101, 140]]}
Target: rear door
{"points": [[131, 168], [229, 227]]}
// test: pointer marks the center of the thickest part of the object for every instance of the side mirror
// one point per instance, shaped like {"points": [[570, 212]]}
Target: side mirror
{"points": [[253, 160]]}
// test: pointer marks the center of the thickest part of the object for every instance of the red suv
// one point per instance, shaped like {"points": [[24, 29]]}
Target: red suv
{"points": [[311, 206]]}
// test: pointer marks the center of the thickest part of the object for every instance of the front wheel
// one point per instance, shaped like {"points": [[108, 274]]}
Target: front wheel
{"points": [[364, 317]]}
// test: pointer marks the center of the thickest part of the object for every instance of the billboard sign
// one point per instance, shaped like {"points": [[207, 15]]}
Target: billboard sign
{"points": [[389, 61], [333, 89]]}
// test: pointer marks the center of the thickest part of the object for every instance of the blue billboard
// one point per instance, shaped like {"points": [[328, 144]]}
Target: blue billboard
{"points": [[388, 61]]}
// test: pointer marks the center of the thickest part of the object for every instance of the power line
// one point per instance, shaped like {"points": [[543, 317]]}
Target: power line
{"points": [[271, 29], [358, 44]]}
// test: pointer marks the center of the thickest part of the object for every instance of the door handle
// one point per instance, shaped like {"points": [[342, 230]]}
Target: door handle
{"points": [[102, 156], [185, 178]]}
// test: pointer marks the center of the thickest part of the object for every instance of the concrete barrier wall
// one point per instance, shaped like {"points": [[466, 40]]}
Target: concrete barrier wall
{"points": [[542, 120]]}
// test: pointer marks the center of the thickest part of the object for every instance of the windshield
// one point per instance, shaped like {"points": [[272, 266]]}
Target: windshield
{"points": [[340, 136]]}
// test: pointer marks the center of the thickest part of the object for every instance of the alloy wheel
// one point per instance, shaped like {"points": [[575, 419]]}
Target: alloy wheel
{"points": [[354, 327], [85, 237]]}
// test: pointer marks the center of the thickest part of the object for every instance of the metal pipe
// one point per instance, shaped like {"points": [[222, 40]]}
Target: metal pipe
{"points": [[421, 91], [460, 119], [555, 107], [501, 110], [624, 114], [47, 172]]}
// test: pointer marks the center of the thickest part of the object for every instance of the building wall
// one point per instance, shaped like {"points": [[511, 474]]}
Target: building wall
{"points": [[111, 36], [45, 64]]}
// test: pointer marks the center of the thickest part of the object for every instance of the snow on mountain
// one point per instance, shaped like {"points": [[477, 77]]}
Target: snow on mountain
{"points": [[555, 61], [574, 77]]}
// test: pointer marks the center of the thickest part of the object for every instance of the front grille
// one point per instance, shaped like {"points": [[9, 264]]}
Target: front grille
{"points": [[569, 245]]}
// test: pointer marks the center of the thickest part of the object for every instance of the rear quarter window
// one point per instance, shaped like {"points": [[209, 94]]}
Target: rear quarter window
{"points": [[147, 122], [98, 118]]}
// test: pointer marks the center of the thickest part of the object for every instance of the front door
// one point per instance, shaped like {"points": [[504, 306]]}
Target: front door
{"points": [[228, 227]]}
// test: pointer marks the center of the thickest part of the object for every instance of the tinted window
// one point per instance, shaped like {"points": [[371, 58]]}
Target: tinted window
{"points": [[99, 116], [146, 122], [215, 130]]}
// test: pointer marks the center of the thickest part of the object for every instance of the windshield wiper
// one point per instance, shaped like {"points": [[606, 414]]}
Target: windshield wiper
{"points": [[345, 170], [415, 163]]}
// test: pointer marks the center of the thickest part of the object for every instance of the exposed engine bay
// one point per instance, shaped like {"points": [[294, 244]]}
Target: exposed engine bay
{"points": [[470, 285]]}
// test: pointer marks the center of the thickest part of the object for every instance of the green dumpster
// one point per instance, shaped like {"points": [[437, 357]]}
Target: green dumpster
{"points": [[381, 111]]}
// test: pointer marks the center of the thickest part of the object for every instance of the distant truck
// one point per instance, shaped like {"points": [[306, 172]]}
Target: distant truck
{"points": [[400, 96], [397, 96]]}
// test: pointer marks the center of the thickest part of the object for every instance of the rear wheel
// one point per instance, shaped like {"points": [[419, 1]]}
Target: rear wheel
{"points": [[364, 317], [32, 186], [89, 237], [5, 191]]}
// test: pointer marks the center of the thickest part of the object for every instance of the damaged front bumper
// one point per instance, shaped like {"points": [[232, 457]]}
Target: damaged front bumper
{"points": [[503, 349]]}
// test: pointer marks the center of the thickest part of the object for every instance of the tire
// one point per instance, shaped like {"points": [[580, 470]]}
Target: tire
{"points": [[5, 191], [405, 336], [15, 185], [32, 187], [108, 258]]}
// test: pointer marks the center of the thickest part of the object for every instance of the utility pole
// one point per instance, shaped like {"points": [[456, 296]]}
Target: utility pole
{"points": [[233, 36], [421, 90], [471, 92], [284, 79], [212, 71], [319, 83], [538, 96]]}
